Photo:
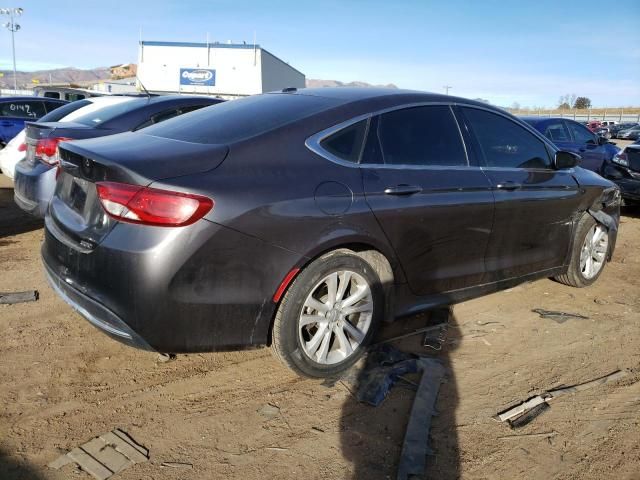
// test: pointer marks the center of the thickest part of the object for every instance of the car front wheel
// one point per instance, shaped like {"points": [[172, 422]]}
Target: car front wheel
{"points": [[589, 253], [328, 315]]}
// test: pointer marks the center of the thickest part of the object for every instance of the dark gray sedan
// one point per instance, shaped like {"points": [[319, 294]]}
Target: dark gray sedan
{"points": [[303, 219]]}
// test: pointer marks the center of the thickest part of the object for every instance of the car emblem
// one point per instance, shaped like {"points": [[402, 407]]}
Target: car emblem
{"points": [[87, 167]]}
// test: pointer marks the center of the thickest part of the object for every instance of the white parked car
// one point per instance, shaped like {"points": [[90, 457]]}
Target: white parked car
{"points": [[12, 153], [16, 149]]}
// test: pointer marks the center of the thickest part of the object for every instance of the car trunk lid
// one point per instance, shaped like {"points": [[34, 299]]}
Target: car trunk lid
{"points": [[76, 214]]}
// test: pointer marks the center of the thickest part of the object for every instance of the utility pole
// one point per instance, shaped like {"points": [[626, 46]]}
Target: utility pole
{"points": [[13, 28], [447, 88]]}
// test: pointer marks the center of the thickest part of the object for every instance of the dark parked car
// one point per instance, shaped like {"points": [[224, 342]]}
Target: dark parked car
{"points": [[632, 133], [302, 219], [14, 111], [624, 170], [615, 129], [34, 178], [574, 137]]}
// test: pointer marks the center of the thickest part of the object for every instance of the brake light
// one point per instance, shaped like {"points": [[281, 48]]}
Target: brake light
{"points": [[47, 150], [22, 147], [152, 206]]}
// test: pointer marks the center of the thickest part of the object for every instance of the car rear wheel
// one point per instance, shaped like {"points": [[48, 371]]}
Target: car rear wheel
{"points": [[589, 253], [328, 315]]}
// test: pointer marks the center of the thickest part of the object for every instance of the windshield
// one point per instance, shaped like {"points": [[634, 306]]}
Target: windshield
{"points": [[236, 120], [105, 113]]}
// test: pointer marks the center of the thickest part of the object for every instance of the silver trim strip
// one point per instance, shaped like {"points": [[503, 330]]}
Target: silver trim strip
{"points": [[313, 142]]}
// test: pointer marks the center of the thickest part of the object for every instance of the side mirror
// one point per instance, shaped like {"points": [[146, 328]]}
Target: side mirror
{"points": [[565, 159], [602, 140]]}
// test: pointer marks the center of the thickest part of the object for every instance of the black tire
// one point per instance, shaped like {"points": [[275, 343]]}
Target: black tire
{"points": [[574, 276], [286, 343]]}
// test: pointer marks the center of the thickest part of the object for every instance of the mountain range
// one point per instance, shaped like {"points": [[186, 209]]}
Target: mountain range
{"points": [[81, 77]]}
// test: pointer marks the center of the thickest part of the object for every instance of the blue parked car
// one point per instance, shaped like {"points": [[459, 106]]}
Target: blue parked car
{"points": [[574, 137], [14, 111]]}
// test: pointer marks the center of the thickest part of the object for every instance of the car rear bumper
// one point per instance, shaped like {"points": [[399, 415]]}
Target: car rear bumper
{"points": [[98, 315], [34, 187], [198, 288]]}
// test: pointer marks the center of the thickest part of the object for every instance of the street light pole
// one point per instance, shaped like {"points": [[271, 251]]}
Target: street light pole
{"points": [[13, 28], [447, 88]]}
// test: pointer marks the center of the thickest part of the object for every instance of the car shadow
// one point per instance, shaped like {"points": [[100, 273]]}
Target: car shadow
{"points": [[632, 211], [372, 437], [13, 220], [11, 469]]}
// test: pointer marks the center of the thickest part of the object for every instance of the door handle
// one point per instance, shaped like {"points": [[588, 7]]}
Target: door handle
{"points": [[403, 190], [509, 186], [583, 149]]}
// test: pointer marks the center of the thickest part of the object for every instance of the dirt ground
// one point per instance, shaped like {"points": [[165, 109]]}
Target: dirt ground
{"points": [[242, 415]]}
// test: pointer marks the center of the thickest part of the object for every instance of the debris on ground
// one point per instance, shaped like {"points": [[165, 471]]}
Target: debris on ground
{"points": [[413, 459], [558, 317], [384, 367], [10, 298], [165, 357], [269, 410], [105, 455], [176, 464], [525, 412], [550, 434]]}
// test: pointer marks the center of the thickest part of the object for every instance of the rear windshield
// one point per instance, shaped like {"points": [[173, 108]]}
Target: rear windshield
{"points": [[236, 120], [98, 117], [63, 111]]}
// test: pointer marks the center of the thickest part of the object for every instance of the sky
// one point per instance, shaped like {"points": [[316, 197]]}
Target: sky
{"points": [[529, 52]]}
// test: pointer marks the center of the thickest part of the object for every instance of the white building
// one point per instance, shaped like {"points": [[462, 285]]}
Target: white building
{"points": [[225, 69]]}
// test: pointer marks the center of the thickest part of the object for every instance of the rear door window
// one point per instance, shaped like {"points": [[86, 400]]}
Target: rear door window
{"points": [[557, 132], [419, 136], [581, 134], [505, 144], [27, 109], [51, 106]]}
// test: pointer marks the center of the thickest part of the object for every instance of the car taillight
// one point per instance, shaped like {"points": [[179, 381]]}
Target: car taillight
{"points": [[151, 206], [22, 147], [47, 150], [621, 159]]}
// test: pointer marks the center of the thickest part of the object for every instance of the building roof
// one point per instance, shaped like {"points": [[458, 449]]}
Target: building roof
{"points": [[198, 44]]}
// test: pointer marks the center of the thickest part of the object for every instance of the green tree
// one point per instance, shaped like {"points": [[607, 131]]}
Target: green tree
{"points": [[582, 103], [564, 106]]}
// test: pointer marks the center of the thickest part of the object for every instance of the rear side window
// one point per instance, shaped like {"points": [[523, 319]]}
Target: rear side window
{"points": [[52, 94], [22, 109], [557, 132], [504, 143], [64, 110], [346, 144], [581, 134], [426, 136], [236, 120]]}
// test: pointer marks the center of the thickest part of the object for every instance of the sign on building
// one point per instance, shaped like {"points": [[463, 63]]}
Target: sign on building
{"points": [[197, 76]]}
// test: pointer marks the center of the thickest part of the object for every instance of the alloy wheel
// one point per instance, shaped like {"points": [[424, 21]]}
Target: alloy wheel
{"points": [[594, 251], [335, 317]]}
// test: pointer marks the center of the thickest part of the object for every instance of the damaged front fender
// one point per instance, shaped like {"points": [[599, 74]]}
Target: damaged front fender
{"points": [[606, 211]]}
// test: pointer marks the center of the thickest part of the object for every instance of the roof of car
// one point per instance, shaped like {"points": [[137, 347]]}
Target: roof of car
{"points": [[25, 98], [349, 94]]}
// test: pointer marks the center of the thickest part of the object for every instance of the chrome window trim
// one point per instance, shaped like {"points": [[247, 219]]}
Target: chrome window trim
{"points": [[313, 142]]}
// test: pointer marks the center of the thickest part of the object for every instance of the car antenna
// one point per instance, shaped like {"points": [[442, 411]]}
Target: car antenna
{"points": [[143, 87]]}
